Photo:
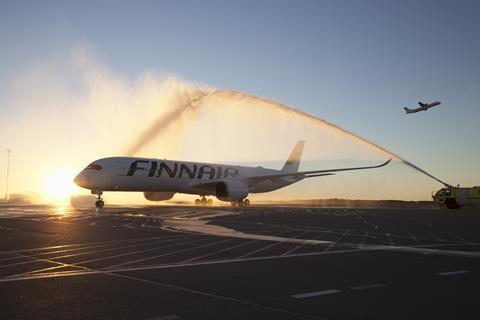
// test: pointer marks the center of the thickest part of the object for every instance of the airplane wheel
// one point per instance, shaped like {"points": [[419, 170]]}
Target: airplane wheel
{"points": [[203, 202], [233, 203], [246, 202], [451, 204], [197, 202], [99, 203], [209, 202]]}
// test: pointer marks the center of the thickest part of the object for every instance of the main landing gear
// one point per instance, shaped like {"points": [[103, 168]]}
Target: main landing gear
{"points": [[203, 202], [240, 203], [99, 203]]}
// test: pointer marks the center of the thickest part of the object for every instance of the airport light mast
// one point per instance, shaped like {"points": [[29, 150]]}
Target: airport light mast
{"points": [[8, 173]]}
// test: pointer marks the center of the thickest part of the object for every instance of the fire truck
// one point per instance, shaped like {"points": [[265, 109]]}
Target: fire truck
{"points": [[456, 197]]}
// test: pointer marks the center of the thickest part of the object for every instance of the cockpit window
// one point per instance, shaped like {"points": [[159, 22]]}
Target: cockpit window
{"points": [[93, 166]]}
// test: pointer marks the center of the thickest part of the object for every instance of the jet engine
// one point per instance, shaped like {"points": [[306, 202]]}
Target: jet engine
{"points": [[158, 196], [231, 190]]}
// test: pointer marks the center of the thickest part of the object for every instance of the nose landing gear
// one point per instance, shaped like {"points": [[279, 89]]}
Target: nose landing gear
{"points": [[99, 203]]}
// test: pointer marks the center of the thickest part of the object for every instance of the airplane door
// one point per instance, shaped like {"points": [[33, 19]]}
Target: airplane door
{"points": [[120, 168]]}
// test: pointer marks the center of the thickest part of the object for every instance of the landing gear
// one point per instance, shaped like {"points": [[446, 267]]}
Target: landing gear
{"points": [[451, 204], [99, 203], [240, 203], [203, 202]]}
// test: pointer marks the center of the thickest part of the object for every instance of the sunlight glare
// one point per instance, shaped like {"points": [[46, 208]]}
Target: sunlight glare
{"points": [[59, 185]]}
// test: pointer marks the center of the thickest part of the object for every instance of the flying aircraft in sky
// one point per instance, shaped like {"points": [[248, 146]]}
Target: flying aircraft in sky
{"points": [[161, 179], [423, 106]]}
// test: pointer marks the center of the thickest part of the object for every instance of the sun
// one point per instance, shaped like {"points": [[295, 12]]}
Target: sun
{"points": [[59, 186]]}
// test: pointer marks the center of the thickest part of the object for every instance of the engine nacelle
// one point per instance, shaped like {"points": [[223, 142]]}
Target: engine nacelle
{"points": [[231, 190], [158, 196]]}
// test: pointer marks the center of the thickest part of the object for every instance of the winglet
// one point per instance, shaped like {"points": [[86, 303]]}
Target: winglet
{"points": [[293, 161]]}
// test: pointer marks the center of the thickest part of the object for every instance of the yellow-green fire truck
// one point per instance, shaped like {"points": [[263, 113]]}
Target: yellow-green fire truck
{"points": [[456, 197]]}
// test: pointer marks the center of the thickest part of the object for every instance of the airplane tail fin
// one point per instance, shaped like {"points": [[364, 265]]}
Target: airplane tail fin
{"points": [[293, 161], [407, 110]]}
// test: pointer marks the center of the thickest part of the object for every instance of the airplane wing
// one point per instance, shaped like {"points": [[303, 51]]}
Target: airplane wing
{"points": [[209, 185], [314, 173]]}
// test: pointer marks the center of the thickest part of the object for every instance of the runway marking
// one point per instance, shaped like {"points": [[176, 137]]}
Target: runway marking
{"points": [[301, 245], [173, 238], [334, 243], [415, 238], [368, 286], [76, 244], [425, 250], [219, 251], [140, 241], [169, 253], [87, 271], [171, 286], [451, 273], [202, 226], [77, 264], [212, 295], [265, 248], [364, 238], [463, 239], [315, 293], [437, 238], [34, 276], [295, 237]]}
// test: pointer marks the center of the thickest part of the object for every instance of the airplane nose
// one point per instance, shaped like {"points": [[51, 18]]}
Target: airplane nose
{"points": [[81, 180]]}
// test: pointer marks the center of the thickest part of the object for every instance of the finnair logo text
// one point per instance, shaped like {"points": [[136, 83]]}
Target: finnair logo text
{"points": [[181, 170]]}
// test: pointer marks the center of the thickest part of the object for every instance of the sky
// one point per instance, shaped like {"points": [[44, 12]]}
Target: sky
{"points": [[355, 64]]}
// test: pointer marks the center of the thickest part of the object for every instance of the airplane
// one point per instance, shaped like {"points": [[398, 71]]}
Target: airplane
{"points": [[423, 106], [160, 179]]}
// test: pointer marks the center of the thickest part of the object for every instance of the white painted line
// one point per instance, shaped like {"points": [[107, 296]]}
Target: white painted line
{"points": [[170, 253], [368, 286], [78, 264], [315, 293], [364, 238], [264, 248], [336, 241], [27, 276], [302, 245], [219, 251], [451, 273], [173, 238]]}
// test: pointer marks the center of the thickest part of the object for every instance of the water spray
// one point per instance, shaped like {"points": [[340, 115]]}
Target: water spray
{"points": [[192, 101]]}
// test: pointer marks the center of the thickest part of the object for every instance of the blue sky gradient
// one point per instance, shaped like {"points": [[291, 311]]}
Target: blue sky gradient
{"points": [[354, 63]]}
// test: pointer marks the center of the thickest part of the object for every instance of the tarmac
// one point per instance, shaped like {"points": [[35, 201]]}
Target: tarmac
{"points": [[174, 262]]}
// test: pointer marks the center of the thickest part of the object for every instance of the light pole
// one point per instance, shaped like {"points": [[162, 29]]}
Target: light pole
{"points": [[8, 173]]}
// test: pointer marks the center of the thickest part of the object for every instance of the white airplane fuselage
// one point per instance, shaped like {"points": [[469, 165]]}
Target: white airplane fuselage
{"points": [[161, 179], [154, 175]]}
